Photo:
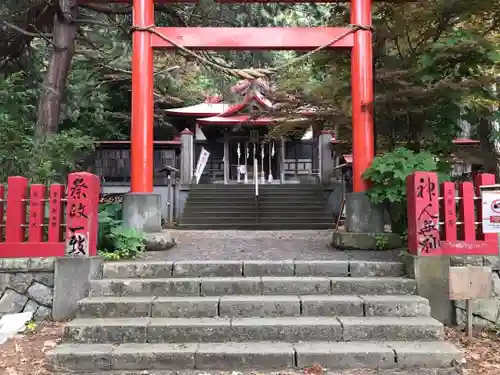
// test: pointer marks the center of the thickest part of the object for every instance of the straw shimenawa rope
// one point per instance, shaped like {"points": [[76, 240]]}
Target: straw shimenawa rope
{"points": [[252, 73]]}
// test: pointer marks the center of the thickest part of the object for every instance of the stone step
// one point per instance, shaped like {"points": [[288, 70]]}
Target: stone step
{"points": [[254, 213], [189, 219], [262, 198], [215, 286], [262, 208], [249, 202], [252, 306], [215, 201], [214, 211], [265, 192], [237, 268], [237, 195], [268, 199], [280, 212], [260, 226], [260, 219], [250, 355], [280, 187], [290, 329]]}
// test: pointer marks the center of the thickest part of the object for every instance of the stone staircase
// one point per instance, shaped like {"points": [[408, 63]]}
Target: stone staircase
{"points": [[234, 315], [278, 207]]}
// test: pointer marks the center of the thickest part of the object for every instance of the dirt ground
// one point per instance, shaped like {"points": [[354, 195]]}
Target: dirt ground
{"points": [[481, 352], [25, 353]]}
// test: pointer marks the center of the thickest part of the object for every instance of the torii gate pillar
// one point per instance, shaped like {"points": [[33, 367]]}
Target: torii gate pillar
{"points": [[362, 93], [141, 137], [141, 208]]}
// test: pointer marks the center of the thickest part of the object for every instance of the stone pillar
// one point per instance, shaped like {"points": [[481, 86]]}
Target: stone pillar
{"points": [[187, 157], [142, 211], [362, 216], [72, 276], [226, 160], [326, 161], [432, 274]]}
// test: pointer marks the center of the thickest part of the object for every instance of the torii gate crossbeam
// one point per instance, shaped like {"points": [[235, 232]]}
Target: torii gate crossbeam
{"points": [[144, 41]]}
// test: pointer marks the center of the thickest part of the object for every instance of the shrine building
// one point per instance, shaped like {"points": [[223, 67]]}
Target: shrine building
{"points": [[236, 134]]}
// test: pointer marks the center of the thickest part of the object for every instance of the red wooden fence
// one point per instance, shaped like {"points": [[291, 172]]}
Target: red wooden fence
{"points": [[434, 228], [66, 226]]}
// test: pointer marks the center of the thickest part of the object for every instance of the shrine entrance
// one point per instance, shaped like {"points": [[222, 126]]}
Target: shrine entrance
{"points": [[147, 36], [241, 155]]}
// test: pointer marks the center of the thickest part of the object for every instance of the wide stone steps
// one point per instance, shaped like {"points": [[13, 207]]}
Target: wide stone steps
{"points": [[262, 187], [257, 226], [289, 218], [278, 207], [262, 199], [252, 268], [235, 356], [263, 192], [262, 206], [290, 329], [250, 202], [236, 315], [253, 306], [280, 213], [220, 286]]}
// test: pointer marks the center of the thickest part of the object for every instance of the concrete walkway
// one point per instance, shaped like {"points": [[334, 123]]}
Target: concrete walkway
{"points": [[261, 245]]}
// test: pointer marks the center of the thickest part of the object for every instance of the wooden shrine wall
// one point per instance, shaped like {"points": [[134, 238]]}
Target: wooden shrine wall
{"points": [[112, 164]]}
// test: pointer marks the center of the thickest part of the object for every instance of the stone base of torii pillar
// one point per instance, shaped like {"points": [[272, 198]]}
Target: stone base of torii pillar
{"points": [[364, 227], [141, 211]]}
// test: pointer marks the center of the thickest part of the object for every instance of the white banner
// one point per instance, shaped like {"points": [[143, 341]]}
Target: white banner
{"points": [[491, 211], [202, 162]]}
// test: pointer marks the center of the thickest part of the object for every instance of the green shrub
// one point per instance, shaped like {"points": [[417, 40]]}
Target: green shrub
{"points": [[116, 242], [388, 175]]}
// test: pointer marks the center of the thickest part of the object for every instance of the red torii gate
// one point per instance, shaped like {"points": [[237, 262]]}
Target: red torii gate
{"points": [[265, 38]]}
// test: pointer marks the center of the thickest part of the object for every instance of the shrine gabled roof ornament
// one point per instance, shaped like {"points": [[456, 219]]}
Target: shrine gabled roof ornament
{"points": [[214, 105], [205, 109], [254, 102], [254, 109]]}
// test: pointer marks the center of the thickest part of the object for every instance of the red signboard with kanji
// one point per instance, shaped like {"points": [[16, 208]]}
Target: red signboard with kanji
{"points": [[82, 214]]}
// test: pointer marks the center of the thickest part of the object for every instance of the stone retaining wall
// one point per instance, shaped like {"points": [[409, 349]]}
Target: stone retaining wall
{"points": [[27, 284], [486, 312]]}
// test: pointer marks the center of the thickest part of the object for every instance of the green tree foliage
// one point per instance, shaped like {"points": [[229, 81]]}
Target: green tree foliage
{"points": [[432, 63], [21, 153]]}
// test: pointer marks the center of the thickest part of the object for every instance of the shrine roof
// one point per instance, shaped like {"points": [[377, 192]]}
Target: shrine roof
{"points": [[236, 120], [216, 112], [200, 110]]}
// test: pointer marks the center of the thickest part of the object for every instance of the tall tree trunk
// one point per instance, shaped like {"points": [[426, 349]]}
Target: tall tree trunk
{"points": [[64, 35], [490, 146]]}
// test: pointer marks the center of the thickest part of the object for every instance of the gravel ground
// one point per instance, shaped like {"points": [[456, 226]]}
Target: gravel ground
{"points": [[261, 245]]}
